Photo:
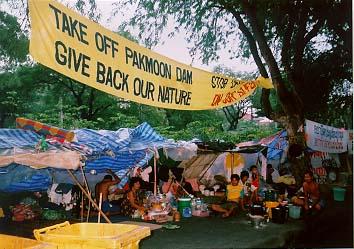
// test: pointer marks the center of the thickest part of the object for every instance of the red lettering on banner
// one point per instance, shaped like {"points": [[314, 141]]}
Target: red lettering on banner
{"points": [[217, 99], [229, 98]]}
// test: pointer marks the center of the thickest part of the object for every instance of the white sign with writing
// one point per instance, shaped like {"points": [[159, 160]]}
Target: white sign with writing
{"points": [[326, 138]]}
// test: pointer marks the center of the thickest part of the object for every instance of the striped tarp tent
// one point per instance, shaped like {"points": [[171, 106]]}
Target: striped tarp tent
{"points": [[121, 149], [18, 138], [117, 150], [124, 139]]}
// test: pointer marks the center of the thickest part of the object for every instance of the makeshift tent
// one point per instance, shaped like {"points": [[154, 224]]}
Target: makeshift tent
{"points": [[208, 164], [44, 129], [117, 150], [276, 147], [19, 146]]}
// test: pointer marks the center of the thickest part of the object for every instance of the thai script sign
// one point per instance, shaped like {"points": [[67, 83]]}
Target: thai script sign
{"points": [[325, 138]]}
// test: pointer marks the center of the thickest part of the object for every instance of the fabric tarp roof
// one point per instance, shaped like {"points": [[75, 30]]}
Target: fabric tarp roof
{"points": [[116, 150], [18, 146], [194, 167], [276, 145], [121, 149], [206, 165]]}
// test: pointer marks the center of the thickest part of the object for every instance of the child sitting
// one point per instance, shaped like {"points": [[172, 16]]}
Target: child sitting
{"points": [[255, 182]]}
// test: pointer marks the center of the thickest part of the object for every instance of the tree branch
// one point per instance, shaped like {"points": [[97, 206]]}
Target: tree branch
{"points": [[90, 103], [285, 53], [101, 108], [314, 31], [288, 100], [299, 45], [251, 43]]}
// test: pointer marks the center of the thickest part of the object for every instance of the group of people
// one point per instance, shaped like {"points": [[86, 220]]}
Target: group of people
{"points": [[242, 191], [131, 201]]}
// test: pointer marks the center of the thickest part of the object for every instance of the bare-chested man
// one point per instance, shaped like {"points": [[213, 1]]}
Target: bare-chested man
{"points": [[103, 187], [312, 193]]}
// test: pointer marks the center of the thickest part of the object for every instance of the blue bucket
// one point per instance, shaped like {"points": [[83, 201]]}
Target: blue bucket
{"points": [[339, 194], [294, 211]]}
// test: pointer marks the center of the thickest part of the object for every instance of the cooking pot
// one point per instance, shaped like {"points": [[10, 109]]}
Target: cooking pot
{"points": [[279, 214], [256, 220], [257, 208]]}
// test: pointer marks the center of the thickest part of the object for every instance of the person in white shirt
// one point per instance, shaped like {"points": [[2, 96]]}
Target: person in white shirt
{"points": [[272, 174]]}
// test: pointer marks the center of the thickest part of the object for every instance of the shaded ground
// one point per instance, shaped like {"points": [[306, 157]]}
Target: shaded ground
{"points": [[216, 232], [332, 228]]}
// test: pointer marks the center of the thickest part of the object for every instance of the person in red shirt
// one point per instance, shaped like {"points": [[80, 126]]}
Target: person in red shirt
{"points": [[254, 183]]}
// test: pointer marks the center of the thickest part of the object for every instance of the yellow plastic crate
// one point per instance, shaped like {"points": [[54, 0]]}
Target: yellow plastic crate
{"points": [[14, 242], [93, 235]]}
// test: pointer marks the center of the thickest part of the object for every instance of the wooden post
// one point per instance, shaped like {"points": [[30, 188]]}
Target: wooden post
{"points": [[232, 163], [88, 196]]}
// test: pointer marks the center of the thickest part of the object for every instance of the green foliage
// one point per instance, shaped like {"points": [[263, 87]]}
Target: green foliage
{"points": [[38, 93], [13, 43], [306, 45], [206, 130], [256, 101]]}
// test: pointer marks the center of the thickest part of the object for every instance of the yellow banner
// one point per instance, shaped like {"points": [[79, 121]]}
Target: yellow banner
{"points": [[85, 51]]}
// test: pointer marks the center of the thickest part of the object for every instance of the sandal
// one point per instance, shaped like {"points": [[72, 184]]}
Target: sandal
{"points": [[225, 215]]}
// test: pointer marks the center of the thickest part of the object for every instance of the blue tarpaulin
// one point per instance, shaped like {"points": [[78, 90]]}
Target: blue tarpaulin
{"points": [[16, 177], [277, 146], [117, 150]]}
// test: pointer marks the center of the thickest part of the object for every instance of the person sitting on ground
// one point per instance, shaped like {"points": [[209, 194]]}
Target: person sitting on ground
{"points": [[272, 174], [312, 198], [103, 188], [133, 200], [285, 183], [255, 183], [233, 196], [244, 198]]}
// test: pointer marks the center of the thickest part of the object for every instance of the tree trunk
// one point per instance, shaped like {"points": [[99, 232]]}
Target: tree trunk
{"points": [[2, 119], [292, 117]]}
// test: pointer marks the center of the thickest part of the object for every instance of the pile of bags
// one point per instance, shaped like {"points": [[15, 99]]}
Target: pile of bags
{"points": [[23, 212]]}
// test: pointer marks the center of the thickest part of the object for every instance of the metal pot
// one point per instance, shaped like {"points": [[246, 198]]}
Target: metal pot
{"points": [[256, 220]]}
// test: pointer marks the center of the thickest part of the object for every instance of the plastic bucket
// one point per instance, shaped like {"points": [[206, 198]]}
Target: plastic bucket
{"points": [[338, 194], [184, 207], [270, 205], [279, 215], [294, 212]]}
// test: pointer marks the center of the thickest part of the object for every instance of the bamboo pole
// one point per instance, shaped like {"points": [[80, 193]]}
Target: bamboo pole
{"points": [[100, 206], [88, 190], [88, 210], [155, 175], [88, 196], [84, 178], [82, 207]]}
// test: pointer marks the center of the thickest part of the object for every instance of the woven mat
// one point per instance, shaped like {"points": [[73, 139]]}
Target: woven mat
{"points": [[145, 224]]}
